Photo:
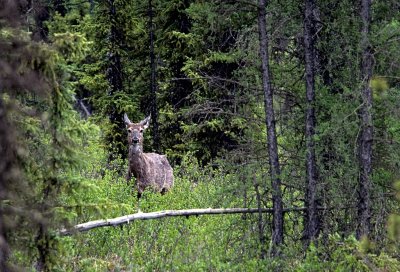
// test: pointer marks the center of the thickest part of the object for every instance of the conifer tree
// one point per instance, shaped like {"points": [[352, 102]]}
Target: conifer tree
{"points": [[275, 171], [365, 140], [311, 220]]}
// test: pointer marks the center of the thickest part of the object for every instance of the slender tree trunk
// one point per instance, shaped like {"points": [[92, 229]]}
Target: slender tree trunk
{"points": [[366, 134], [277, 226], [114, 76], [4, 250], [4, 168], [311, 219], [43, 247], [261, 234], [153, 83], [45, 242]]}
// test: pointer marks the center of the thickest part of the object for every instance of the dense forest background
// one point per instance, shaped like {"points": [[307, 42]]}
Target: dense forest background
{"points": [[292, 105]]}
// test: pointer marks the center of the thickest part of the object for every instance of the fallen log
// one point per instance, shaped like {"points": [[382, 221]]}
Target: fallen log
{"points": [[126, 219]]}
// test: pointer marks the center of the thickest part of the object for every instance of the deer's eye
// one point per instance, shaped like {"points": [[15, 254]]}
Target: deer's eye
{"points": [[129, 131], [141, 130]]}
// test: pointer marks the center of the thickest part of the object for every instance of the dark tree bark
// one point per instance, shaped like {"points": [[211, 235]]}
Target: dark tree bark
{"points": [[277, 233], [43, 246], [366, 134], [311, 218], [4, 168], [153, 83], [4, 250], [114, 76]]}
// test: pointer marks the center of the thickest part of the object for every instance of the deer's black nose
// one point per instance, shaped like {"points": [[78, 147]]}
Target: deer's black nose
{"points": [[135, 140]]}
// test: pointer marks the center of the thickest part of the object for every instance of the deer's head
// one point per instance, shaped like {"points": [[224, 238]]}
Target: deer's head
{"points": [[135, 132]]}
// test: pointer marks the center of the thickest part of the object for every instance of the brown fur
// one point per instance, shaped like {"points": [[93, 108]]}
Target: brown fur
{"points": [[150, 169]]}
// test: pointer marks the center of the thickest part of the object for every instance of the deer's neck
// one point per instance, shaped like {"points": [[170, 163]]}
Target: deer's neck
{"points": [[135, 152], [137, 160]]}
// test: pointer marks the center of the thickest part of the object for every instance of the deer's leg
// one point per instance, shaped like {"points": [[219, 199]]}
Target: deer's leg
{"points": [[128, 175], [139, 194], [140, 188]]}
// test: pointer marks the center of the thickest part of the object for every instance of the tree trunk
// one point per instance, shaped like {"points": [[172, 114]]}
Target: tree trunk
{"points": [[45, 242], [311, 218], [43, 247], [277, 226], [4, 250], [153, 83], [261, 234], [366, 134], [4, 168], [114, 74]]}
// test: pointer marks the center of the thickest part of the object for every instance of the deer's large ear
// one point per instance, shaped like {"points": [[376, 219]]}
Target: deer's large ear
{"points": [[146, 122], [126, 120]]}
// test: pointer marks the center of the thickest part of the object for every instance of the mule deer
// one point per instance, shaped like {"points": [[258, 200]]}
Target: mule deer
{"points": [[150, 169]]}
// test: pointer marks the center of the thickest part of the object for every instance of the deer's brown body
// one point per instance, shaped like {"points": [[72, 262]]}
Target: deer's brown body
{"points": [[149, 169]]}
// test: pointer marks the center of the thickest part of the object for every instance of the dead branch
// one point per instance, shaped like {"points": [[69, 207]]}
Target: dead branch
{"points": [[126, 219]]}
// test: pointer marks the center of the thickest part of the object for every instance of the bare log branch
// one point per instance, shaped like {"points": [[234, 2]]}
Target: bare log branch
{"points": [[126, 219]]}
